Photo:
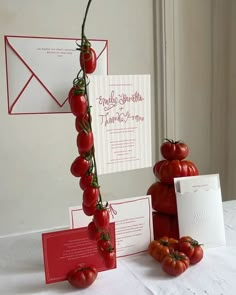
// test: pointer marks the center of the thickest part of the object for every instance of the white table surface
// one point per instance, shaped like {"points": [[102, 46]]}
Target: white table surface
{"points": [[22, 271]]}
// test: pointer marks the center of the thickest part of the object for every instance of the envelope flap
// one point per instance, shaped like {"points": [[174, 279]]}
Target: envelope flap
{"points": [[55, 62]]}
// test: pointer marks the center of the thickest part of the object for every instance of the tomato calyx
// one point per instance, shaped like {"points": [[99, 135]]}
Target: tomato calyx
{"points": [[177, 255], [173, 141]]}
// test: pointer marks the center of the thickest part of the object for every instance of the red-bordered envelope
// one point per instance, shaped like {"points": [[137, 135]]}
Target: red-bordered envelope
{"points": [[40, 72]]}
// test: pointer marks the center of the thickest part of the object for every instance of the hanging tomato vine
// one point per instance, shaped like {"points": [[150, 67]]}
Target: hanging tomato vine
{"points": [[84, 166]]}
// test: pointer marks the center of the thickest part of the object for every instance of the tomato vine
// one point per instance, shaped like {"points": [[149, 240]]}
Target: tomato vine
{"points": [[85, 165]]}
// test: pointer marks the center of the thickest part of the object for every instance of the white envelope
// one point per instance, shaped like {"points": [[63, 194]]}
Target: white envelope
{"points": [[199, 207], [40, 72]]}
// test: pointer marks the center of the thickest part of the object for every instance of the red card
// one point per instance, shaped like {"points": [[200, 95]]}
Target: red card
{"points": [[65, 250]]}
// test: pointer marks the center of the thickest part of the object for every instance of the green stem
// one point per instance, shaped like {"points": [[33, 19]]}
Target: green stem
{"points": [[83, 39]]}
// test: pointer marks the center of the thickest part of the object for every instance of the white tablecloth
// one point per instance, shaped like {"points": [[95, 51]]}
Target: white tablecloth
{"points": [[22, 271]]}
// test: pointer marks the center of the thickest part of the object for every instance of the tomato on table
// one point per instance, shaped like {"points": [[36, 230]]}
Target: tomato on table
{"points": [[175, 263], [191, 248], [82, 277], [158, 249]]}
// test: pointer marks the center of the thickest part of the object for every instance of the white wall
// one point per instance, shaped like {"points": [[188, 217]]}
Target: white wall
{"points": [[36, 151]]}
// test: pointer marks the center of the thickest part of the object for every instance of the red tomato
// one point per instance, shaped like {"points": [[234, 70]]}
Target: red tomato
{"points": [[78, 104], [89, 210], [175, 263], [166, 170], [191, 248], [174, 150], [104, 245], [85, 181], [88, 59], [163, 198], [90, 196], [109, 258], [82, 123], [158, 249], [79, 167], [93, 232], [82, 277], [85, 141], [76, 90], [101, 218], [165, 225]]}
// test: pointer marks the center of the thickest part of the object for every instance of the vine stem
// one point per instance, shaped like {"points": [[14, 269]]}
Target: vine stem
{"points": [[86, 93]]}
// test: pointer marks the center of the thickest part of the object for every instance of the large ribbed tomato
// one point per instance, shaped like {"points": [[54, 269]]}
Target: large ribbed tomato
{"points": [[174, 150], [166, 170], [163, 198]]}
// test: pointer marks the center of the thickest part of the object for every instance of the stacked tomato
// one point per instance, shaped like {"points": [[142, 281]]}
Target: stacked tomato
{"points": [[174, 255], [174, 164], [84, 167]]}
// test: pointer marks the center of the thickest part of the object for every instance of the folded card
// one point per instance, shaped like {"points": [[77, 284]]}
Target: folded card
{"points": [[40, 71], [67, 249], [199, 206], [133, 219]]}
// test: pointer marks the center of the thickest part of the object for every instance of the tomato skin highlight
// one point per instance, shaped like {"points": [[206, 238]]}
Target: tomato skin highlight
{"points": [[88, 59], [82, 277], [174, 150]]}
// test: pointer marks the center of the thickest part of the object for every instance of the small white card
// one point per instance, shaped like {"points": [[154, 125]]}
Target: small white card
{"points": [[121, 121], [200, 211], [133, 220]]}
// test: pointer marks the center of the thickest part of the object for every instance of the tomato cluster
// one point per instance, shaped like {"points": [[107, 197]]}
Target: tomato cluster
{"points": [[84, 167], [174, 255], [174, 164]]}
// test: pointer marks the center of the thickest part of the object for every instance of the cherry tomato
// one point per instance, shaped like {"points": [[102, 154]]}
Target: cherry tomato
{"points": [[90, 196], [174, 150], [166, 170], [89, 210], [88, 59], [82, 122], [79, 167], [101, 218], [85, 141], [75, 90], [191, 248], [175, 263], [109, 258], [82, 277], [78, 104], [93, 232], [85, 181], [104, 245]]}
